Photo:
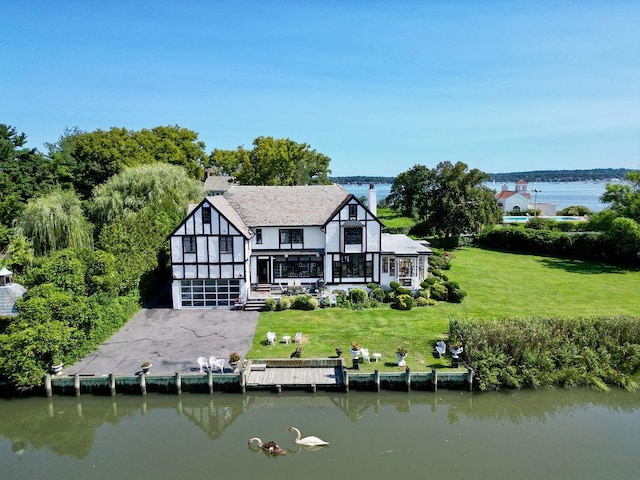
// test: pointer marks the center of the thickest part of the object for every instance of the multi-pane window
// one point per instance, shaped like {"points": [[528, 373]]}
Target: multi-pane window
{"points": [[289, 236], [206, 214], [258, 236], [226, 244], [353, 212], [189, 244], [353, 266], [353, 236], [294, 266]]}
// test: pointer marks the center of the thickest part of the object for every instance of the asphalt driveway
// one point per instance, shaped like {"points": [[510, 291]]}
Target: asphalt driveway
{"points": [[172, 340]]}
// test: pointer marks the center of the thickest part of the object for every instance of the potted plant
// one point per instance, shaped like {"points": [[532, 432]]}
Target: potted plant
{"points": [[146, 366], [297, 353], [56, 365], [355, 349], [401, 353], [234, 358], [339, 352]]}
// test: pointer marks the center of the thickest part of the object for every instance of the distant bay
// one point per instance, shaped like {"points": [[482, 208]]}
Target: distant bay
{"points": [[563, 194]]}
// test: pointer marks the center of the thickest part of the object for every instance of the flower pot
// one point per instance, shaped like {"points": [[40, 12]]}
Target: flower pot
{"points": [[56, 369], [146, 368]]}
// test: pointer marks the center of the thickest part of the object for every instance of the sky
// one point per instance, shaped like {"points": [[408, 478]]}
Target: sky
{"points": [[377, 86]]}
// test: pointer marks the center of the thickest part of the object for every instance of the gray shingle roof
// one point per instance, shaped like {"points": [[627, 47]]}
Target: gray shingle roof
{"points": [[402, 245], [8, 296], [295, 206], [222, 205]]}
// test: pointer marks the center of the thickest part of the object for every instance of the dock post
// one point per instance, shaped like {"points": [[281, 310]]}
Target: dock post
{"points": [[76, 383], [47, 384], [434, 379], [178, 383], [470, 378], [313, 388], [376, 379], [210, 380], [143, 384], [408, 378], [112, 384], [345, 379], [243, 382], [279, 388]]}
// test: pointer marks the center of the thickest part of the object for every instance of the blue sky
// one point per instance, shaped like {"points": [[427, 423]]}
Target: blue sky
{"points": [[377, 86]]}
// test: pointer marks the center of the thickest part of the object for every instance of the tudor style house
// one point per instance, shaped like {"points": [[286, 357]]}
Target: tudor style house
{"points": [[249, 237]]}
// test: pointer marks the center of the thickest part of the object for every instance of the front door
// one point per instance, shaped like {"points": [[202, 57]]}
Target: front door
{"points": [[263, 271]]}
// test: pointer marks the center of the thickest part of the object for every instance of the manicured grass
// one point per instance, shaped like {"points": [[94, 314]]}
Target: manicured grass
{"points": [[499, 285], [392, 219]]}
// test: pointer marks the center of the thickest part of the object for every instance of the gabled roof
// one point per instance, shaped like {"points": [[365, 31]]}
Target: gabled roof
{"points": [[399, 244], [226, 210], [510, 193], [278, 206]]}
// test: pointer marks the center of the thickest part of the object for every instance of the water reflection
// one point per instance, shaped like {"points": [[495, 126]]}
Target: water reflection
{"points": [[459, 427]]}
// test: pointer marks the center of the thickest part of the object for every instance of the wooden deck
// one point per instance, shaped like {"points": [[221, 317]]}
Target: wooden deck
{"points": [[290, 377]]}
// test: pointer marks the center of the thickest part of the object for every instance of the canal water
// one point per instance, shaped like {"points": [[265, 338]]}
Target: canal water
{"points": [[550, 434]]}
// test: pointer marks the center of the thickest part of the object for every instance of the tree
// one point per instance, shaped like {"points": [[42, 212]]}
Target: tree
{"points": [[624, 197], [24, 173], [407, 189], [273, 162], [101, 154], [455, 201], [136, 188], [54, 221]]}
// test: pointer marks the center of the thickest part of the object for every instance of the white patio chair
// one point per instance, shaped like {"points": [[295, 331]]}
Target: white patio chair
{"points": [[239, 303], [212, 363], [298, 338], [333, 301], [202, 364], [441, 348], [219, 365], [271, 338], [365, 355]]}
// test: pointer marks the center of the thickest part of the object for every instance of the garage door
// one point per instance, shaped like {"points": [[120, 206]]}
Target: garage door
{"points": [[209, 293]]}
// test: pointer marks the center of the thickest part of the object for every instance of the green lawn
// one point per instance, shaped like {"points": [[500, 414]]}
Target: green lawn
{"points": [[498, 285]]}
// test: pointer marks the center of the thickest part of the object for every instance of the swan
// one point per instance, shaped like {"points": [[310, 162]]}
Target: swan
{"points": [[308, 441], [271, 447]]}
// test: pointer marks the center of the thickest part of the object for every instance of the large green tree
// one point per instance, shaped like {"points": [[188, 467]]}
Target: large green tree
{"points": [[449, 200], [96, 156], [54, 221], [24, 173], [407, 189], [624, 198], [273, 161]]}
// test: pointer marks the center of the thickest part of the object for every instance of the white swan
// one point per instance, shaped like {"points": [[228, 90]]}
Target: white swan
{"points": [[308, 441], [271, 447]]}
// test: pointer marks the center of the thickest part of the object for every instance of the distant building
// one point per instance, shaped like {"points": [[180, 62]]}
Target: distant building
{"points": [[9, 293], [519, 200]]}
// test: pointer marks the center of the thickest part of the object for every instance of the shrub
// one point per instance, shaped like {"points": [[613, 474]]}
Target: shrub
{"points": [[372, 286], [423, 301], [284, 303], [438, 292], [358, 296], [270, 304], [394, 285], [404, 302], [454, 293], [304, 302], [377, 294]]}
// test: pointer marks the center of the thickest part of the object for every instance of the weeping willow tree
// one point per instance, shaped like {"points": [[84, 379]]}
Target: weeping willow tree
{"points": [[137, 188], [53, 222]]}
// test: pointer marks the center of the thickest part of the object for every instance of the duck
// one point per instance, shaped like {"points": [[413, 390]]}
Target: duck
{"points": [[310, 441], [271, 447]]}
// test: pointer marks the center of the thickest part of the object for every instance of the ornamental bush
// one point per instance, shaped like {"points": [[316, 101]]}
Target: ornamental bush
{"points": [[304, 302], [270, 304], [404, 302], [358, 296]]}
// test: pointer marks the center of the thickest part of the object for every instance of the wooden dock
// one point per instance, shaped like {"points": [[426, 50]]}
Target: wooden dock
{"points": [[279, 374]]}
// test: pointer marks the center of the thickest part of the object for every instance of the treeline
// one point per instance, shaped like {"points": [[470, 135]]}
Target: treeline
{"points": [[361, 179], [593, 174]]}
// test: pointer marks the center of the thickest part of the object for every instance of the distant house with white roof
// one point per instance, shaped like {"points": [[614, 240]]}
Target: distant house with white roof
{"points": [[252, 238]]}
